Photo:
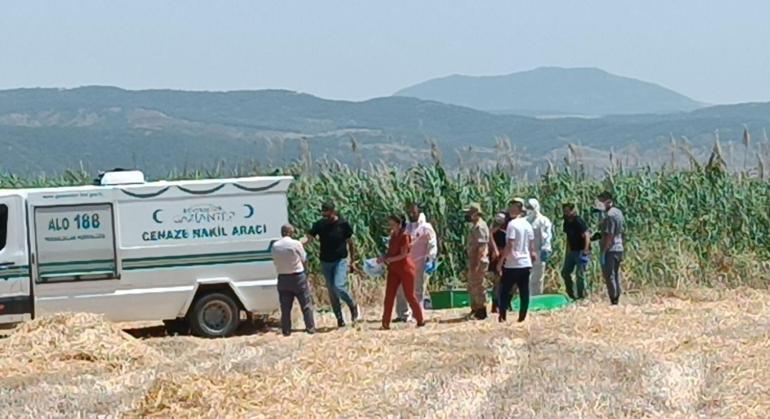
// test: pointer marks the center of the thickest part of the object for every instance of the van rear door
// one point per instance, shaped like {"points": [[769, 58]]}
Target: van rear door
{"points": [[16, 302]]}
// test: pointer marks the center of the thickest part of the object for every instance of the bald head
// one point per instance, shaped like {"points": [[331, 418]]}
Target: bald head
{"points": [[287, 230]]}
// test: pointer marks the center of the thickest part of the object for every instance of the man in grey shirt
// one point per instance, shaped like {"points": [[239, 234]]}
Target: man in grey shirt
{"points": [[612, 229], [290, 262]]}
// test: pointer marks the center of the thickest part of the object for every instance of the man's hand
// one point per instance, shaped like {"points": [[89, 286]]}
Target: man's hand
{"points": [[533, 255], [352, 268]]}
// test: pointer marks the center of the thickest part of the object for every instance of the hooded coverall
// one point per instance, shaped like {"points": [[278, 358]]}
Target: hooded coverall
{"points": [[543, 229]]}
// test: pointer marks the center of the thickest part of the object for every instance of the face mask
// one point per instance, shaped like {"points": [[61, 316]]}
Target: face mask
{"points": [[531, 213], [599, 205]]}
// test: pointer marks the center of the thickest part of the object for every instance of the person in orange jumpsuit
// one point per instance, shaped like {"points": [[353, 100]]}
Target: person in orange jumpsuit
{"points": [[401, 272]]}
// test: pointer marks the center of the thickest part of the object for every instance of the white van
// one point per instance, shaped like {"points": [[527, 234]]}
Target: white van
{"points": [[195, 254]]}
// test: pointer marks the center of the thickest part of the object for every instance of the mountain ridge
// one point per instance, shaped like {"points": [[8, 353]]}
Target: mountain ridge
{"points": [[553, 90], [49, 130]]}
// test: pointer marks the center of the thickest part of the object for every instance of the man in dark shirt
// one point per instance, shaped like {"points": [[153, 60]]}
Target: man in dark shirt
{"points": [[612, 231], [497, 244], [578, 251], [336, 237]]}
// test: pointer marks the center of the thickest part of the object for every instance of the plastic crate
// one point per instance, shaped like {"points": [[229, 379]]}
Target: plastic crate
{"points": [[449, 299], [540, 302]]}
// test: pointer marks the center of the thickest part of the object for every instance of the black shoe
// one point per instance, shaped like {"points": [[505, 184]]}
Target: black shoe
{"points": [[341, 323], [399, 320], [286, 334], [310, 331], [480, 314]]}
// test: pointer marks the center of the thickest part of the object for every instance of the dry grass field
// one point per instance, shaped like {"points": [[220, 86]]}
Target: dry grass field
{"points": [[666, 354]]}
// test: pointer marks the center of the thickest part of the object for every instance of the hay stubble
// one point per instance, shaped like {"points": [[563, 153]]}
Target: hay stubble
{"points": [[658, 355]]}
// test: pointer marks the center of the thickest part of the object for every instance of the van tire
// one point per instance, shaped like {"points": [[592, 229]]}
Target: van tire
{"points": [[214, 315], [176, 327]]}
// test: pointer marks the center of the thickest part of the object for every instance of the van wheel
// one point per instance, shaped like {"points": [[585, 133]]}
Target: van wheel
{"points": [[176, 327], [214, 315]]}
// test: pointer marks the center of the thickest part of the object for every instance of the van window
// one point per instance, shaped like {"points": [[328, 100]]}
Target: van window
{"points": [[75, 242], [3, 226]]}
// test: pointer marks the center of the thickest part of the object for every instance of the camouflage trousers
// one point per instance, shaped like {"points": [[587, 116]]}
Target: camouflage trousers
{"points": [[476, 289]]}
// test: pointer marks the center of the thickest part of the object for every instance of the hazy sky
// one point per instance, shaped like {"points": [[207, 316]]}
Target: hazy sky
{"points": [[714, 51]]}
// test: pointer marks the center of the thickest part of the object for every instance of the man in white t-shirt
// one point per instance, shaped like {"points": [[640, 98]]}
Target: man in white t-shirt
{"points": [[516, 260], [290, 262]]}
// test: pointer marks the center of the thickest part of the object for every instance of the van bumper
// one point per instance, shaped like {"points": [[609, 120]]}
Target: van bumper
{"points": [[259, 296]]}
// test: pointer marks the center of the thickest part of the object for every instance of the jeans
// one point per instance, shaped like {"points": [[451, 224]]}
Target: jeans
{"points": [[572, 264], [511, 277], [336, 275], [289, 288], [611, 274]]}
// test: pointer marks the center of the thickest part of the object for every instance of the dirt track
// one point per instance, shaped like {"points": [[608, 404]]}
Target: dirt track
{"points": [[664, 355]]}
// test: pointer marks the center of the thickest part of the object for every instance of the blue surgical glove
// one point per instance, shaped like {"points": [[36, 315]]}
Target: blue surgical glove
{"points": [[584, 260]]}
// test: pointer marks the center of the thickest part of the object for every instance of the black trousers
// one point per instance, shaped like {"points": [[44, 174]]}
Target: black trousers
{"points": [[291, 287], [520, 278]]}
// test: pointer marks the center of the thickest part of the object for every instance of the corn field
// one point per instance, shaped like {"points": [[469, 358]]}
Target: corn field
{"points": [[701, 226]]}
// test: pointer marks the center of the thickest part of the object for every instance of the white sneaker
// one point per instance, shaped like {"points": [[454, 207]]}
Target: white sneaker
{"points": [[358, 316]]}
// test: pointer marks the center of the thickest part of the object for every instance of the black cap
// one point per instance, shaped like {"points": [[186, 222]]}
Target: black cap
{"points": [[327, 206]]}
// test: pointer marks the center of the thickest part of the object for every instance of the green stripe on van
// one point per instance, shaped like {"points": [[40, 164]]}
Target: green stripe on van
{"points": [[76, 268], [196, 260], [79, 262], [106, 266], [14, 272]]}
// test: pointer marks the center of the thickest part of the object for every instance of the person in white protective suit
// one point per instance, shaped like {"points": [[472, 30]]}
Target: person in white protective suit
{"points": [[424, 250], [543, 236]]}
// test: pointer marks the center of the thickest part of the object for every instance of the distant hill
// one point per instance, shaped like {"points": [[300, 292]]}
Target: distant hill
{"points": [[553, 91], [158, 131]]}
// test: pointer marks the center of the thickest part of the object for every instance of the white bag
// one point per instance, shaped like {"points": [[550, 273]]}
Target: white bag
{"points": [[373, 269]]}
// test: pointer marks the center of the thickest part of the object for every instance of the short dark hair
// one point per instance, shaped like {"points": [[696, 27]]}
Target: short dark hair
{"points": [[414, 204], [398, 220], [605, 196], [328, 206], [568, 205], [286, 229]]}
